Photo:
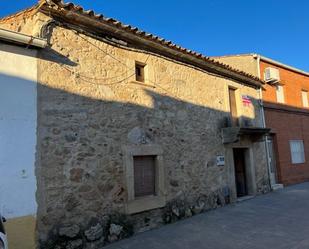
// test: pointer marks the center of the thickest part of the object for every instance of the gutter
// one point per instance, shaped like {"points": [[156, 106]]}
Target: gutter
{"points": [[11, 36]]}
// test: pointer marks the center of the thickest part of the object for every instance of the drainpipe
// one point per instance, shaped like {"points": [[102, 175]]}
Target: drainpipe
{"points": [[258, 59]]}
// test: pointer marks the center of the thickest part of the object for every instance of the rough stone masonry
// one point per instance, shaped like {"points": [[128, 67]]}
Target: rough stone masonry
{"points": [[92, 113]]}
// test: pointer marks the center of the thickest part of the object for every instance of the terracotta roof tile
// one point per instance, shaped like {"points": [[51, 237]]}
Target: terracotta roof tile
{"points": [[91, 14]]}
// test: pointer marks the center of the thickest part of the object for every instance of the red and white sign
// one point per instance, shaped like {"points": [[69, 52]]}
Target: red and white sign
{"points": [[246, 100]]}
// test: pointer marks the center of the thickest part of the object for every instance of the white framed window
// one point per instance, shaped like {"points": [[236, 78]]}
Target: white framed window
{"points": [[280, 94], [297, 151], [304, 96]]}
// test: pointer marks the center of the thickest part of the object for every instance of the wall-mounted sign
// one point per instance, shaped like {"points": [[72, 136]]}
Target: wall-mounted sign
{"points": [[220, 161], [246, 100]]}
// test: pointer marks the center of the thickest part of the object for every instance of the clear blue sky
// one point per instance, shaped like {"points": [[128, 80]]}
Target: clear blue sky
{"points": [[278, 29]]}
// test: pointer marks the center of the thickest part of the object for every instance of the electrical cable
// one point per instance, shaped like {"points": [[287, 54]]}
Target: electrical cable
{"points": [[87, 78], [109, 84]]}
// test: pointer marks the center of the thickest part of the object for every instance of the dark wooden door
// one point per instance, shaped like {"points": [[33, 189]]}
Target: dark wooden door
{"points": [[240, 172]]}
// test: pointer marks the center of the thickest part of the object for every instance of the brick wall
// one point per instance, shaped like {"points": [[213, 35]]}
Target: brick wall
{"points": [[293, 84], [289, 121]]}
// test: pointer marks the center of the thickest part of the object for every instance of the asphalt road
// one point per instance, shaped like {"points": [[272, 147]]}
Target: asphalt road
{"points": [[278, 220]]}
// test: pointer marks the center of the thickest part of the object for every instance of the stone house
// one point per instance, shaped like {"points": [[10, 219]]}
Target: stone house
{"points": [[285, 98], [133, 131], [18, 77]]}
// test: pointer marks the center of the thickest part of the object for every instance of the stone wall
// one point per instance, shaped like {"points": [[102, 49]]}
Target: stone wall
{"points": [[28, 22], [245, 62], [90, 106]]}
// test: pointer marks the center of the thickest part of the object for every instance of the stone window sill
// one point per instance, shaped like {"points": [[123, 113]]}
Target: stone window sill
{"points": [[142, 83], [145, 204]]}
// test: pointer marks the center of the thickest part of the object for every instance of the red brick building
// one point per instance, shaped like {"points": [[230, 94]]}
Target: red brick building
{"points": [[287, 114], [286, 108]]}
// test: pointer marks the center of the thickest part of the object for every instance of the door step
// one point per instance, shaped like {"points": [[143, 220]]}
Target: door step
{"points": [[245, 198], [277, 187]]}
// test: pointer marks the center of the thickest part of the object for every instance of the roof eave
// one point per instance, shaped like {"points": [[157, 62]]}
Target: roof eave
{"points": [[279, 64], [94, 25]]}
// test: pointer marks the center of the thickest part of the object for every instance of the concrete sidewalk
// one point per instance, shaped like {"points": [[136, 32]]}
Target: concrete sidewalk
{"points": [[276, 220]]}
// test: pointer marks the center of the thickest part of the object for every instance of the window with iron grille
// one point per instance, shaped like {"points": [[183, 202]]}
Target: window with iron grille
{"points": [[144, 175]]}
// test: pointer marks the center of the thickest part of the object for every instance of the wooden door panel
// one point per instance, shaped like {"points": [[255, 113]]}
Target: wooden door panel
{"points": [[144, 175]]}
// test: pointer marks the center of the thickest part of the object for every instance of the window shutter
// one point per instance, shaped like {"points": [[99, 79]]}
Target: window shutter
{"points": [[233, 106], [144, 175]]}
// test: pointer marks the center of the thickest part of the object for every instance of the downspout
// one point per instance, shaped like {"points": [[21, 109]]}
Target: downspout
{"points": [[258, 59]]}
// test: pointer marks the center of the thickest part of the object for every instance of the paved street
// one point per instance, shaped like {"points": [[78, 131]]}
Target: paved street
{"points": [[276, 220]]}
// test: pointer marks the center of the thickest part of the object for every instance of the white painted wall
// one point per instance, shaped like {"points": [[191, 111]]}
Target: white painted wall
{"points": [[18, 115]]}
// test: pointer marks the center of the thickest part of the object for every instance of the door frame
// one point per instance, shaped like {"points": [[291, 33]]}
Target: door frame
{"points": [[240, 167], [249, 168]]}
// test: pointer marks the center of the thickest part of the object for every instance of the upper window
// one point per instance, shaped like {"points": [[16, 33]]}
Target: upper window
{"points": [[280, 94], [140, 72], [297, 151], [144, 175], [233, 106], [304, 96]]}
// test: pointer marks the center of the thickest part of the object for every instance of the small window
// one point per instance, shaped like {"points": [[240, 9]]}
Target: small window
{"points": [[304, 95], [140, 72], [280, 94], [297, 151], [144, 175]]}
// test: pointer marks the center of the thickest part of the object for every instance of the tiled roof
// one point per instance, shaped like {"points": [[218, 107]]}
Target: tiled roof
{"points": [[128, 28]]}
